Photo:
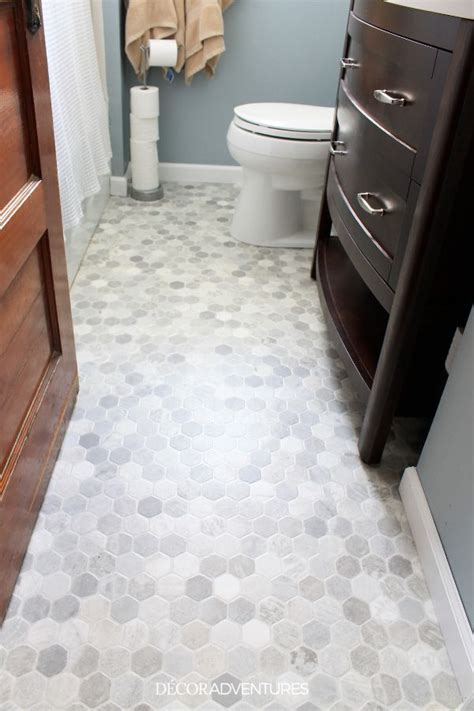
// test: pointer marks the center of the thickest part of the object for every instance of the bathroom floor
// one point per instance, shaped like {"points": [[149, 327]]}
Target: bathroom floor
{"points": [[208, 517]]}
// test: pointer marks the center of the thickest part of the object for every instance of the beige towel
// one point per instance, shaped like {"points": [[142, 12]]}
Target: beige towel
{"points": [[196, 25], [204, 39], [154, 19]]}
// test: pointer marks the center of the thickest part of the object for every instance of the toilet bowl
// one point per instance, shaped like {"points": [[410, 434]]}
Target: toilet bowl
{"points": [[283, 150]]}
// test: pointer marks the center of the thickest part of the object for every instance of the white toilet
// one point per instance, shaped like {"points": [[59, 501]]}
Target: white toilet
{"points": [[283, 150]]}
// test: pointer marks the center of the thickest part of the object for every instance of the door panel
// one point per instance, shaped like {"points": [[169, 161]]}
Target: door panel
{"points": [[38, 373], [14, 155], [26, 354]]}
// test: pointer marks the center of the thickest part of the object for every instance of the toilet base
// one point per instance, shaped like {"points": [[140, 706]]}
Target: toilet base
{"points": [[299, 240], [268, 217]]}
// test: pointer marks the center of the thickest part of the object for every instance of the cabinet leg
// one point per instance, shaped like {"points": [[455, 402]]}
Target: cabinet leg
{"points": [[380, 410], [323, 231], [372, 440]]}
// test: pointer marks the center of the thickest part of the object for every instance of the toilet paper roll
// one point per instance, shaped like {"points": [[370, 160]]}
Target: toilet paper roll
{"points": [[144, 162], [162, 53], [145, 101], [144, 129]]}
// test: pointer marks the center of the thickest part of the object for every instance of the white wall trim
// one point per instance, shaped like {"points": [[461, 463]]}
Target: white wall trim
{"points": [[119, 185], [199, 173], [182, 173], [448, 605]]}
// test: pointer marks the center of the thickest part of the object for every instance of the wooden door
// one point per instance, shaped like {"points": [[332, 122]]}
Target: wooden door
{"points": [[38, 374]]}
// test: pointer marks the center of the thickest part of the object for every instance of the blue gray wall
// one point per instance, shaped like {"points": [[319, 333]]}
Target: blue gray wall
{"points": [[116, 89], [446, 470], [277, 50]]}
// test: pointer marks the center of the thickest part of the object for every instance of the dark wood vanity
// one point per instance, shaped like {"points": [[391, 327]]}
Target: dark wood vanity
{"points": [[393, 246]]}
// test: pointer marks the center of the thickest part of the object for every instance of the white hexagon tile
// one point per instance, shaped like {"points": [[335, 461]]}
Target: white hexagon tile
{"points": [[208, 518]]}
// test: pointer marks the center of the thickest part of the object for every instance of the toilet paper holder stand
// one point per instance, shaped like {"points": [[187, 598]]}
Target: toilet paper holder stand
{"points": [[156, 193], [144, 63]]}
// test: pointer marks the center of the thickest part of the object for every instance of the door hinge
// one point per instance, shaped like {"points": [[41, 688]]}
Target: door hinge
{"points": [[33, 17]]}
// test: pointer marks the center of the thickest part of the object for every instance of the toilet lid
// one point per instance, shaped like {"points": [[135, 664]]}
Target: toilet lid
{"points": [[297, 121]]}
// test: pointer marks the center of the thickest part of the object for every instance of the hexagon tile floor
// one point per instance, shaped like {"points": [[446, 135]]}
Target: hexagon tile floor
{"points": [[208, 517]]}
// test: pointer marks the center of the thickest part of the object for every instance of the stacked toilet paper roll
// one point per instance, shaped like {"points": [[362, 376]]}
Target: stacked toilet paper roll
{"points": [[145, 101], [144, 134], [144, 129]]}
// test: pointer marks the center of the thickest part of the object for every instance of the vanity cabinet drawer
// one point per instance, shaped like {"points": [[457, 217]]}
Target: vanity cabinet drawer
{"points": [[379, 258], [390, 78], [419, 25], [367, 166], [373, 266], [360, 134]]}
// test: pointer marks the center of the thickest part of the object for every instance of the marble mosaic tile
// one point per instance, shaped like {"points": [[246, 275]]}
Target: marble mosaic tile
{"points": [[208, 519]]}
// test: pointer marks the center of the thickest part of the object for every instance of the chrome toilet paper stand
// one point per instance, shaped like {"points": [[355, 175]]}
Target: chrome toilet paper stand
{"points": [[156, 193], [144, 63]]}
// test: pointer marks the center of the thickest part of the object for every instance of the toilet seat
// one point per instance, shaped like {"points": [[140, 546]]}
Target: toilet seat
{"points": [[299, 122], [275, 147]]}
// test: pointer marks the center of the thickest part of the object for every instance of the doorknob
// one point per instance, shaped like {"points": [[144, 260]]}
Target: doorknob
{"points": [[33, 17]]}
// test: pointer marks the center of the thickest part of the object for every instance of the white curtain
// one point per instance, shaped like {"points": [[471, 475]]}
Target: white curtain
{"points": [[98, 26], [80, 113]]}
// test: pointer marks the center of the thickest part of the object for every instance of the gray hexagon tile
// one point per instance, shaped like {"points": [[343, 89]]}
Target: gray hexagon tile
{"points": [[208, 519]]}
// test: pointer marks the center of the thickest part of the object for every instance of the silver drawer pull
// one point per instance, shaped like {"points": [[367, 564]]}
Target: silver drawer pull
{"points": [[335, 151], [385, 96], [349, 63], [363, 200]]}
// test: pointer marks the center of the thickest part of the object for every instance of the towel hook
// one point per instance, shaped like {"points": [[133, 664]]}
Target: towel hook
{"points": [[145, 62]]}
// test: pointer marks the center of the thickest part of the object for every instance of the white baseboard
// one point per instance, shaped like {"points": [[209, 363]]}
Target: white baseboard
{"points": [[448, 605], [183, 173], [119, 185], [199, 173]]}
